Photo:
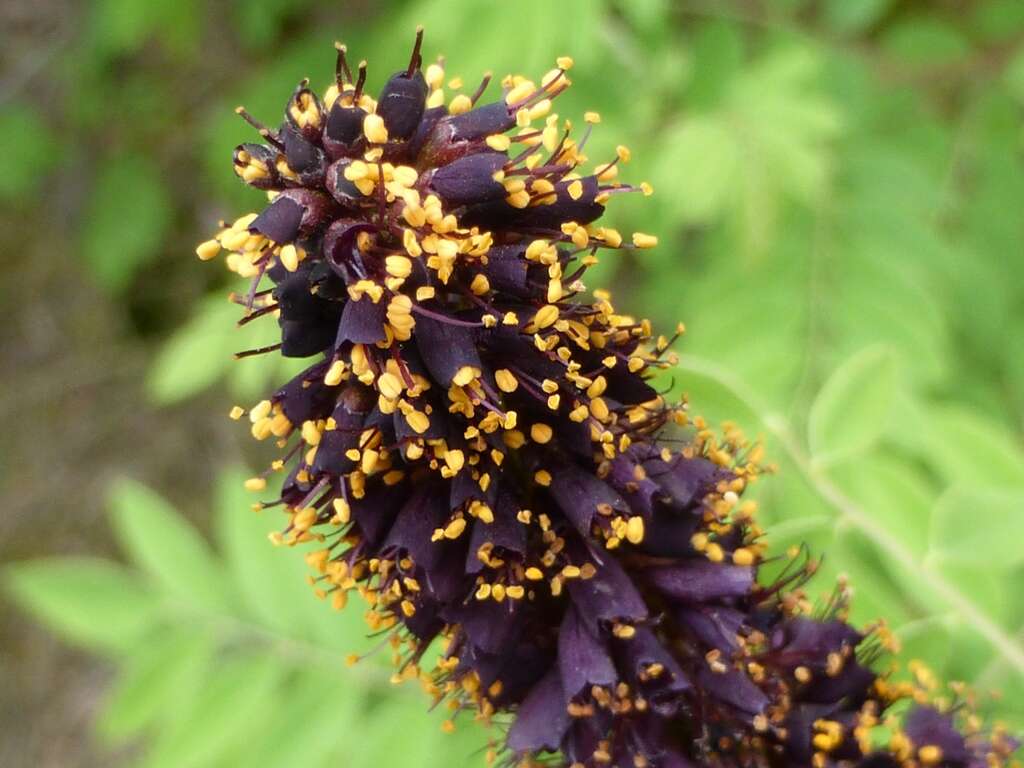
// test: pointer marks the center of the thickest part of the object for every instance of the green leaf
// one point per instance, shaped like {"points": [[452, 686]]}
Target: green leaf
{"points": [[417, 743], [925, 41], [318, 713], [1014, 76], [128, 214], [222, 713], [157, 678], [979, 526], [717, 58], [166, 546], [851, 411], [31, 150], [697, 169], [91, 602], [893, 493], [845, 16], [196, 355], [121, 27], [271, 579], [963, 446], [201, 353]]}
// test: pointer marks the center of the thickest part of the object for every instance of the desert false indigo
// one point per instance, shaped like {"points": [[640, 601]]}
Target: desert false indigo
{"points": [[477, 452]]}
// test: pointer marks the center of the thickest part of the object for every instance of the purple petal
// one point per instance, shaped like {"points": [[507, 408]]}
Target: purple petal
{"points": [[607, 597], [445, 348], [927, 726], [701, 580], [578, 494], [542, 719], [280, 220], [470, 179], [362, 322], [583, 660], [733, 688]]}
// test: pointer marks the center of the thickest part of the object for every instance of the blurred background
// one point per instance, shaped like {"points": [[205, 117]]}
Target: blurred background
{"points": [[838, 189]]}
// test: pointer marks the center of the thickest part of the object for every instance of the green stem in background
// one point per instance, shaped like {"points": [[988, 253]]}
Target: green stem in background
{"points": [[1009, 649]]}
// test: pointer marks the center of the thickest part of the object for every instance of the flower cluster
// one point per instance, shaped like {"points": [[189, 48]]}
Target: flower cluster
{"points": [[477, 451]]}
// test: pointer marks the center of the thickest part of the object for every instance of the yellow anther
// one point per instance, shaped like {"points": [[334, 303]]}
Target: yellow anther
{"points": [[255, 484], [398, 266], [564, 62], [260, 411], [520, 92], [930, 754], [499, 142], [389, 385], [335, 373], [455, 528], [434, 75], [418, 421], [640, 240], [591, 117], [546, 316], [208, 250], [506, 380], [237, 412], [714, 552], [743, 556], [310, 433], [460, 104], [289, 257], [342, 510], [455, 459], [541, 433], [635, 530], [575, 189], [480, 285], [534, 574], [374, 129]]}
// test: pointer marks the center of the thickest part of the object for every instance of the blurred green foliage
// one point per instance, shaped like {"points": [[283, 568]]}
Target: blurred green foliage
{"points": [[223, 658], [837, 196]]}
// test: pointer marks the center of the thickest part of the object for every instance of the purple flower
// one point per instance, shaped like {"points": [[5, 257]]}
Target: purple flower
{"points": [[477, 451]]}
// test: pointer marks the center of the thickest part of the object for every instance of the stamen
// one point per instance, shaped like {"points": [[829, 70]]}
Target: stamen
{"points": [[341, 66], [415, 60], [259, 351], [480, 88], [360, 82]]}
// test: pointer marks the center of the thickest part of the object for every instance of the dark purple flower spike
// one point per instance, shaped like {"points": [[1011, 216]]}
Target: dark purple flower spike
{"points": [[477, 452]]}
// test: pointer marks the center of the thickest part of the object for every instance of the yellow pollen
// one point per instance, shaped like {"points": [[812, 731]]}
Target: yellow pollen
{"points": [[743, 556], [546, 316], [506, 380], [640, 240], [499, 142], [635, 530], [389, 385], [541, 433], [208, 250], [289, 257], [460, 104], [373, 127], [255, 484]]}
